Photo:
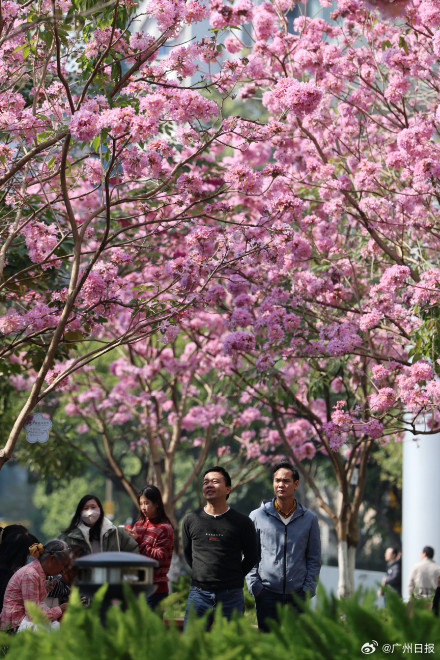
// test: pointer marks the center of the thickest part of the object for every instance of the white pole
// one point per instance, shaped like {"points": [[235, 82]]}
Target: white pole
{"points": [[420, 501]]}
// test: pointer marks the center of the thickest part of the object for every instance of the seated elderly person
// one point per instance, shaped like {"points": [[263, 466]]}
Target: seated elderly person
{"points": [[29, 584]]}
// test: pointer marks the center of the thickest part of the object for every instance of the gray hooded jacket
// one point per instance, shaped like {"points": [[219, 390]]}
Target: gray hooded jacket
{"points": [[289, 555], [113, 539]]}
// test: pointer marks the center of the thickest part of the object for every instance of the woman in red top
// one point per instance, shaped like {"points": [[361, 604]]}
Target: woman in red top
{"points": [[155, 536]]}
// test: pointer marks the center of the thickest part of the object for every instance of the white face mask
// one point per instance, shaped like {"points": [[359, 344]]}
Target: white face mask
{"points": [[90, 516]]}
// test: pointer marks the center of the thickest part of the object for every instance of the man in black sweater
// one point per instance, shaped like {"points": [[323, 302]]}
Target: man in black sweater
{"points": [[220, 546]]}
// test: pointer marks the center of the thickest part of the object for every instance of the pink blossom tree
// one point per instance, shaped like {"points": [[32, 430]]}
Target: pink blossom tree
{"points": [[165, 409], [132, 205], [336, 320], [108, 160]]}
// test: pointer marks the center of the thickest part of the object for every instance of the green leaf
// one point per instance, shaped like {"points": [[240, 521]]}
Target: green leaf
{"points": [[96, 142], [19, 48], [47, 37], [26, 51], [73, 335], [51, 161], [44, 135], [403, 44]]}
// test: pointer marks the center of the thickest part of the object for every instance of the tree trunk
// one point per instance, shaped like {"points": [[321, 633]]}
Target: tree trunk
{"points": [[171, 513], [346, 564]]}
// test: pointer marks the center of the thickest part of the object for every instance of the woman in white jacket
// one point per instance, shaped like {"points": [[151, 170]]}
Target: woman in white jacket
{"points": [[93, 532]]}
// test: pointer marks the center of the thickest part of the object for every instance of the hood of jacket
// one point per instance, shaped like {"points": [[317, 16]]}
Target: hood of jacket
{"points": [[82, 532], [112, 538]]}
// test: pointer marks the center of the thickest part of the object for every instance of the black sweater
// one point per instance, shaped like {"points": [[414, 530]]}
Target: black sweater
{"points": [[220, 550]]}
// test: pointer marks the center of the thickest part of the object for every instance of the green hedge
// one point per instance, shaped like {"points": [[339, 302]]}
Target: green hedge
{"points": [[333, 630]]}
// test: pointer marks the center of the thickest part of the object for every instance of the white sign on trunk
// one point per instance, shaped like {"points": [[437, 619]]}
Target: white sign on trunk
{"points": [[37, 428]]}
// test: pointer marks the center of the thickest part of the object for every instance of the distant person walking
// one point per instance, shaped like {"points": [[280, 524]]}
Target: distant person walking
{"points": [[423, 579], [220, 546], [155, 536], [393, 576], [93, 532], [289, 544]]}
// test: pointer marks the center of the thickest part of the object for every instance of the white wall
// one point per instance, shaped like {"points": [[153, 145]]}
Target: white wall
{"points": [[421, 501], [328, 578]]}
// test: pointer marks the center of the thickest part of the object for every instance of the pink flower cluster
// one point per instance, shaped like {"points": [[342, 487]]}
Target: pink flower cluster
{"points": [[301, 98], [172, 13], [421, 370], [427, 291], [373, 428], [10, 10], [380, 372], [142, 42], [244, 179], [340, 417], [306, 451], [264, 362], [383, 400], [170, 334], [195, 12], [11, 322], [398, 85], [264, 21], [46, 5], [102, 39], [137, 163], [335, 435], [248, 416], [223, 14], [370, 320], [188, 105], [203, 416], [41, 239], [239, 341], [179, 105], [93, 171], [342, 338], [233, 45], [298, 432], [84, 125], [394, 277], [286, 204], [240, 318], [166, 12], [300, 249]]}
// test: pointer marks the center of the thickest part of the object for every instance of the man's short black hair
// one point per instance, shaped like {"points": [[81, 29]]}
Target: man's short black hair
{"points": [[287, 466], [428, 551], [218, 468]]}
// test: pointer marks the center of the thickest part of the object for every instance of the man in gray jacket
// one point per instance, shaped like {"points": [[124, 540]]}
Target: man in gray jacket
{"points": [[289, 549]]}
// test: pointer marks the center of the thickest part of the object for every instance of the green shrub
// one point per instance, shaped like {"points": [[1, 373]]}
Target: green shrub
{"points": [[173, 606], [333, 630]]}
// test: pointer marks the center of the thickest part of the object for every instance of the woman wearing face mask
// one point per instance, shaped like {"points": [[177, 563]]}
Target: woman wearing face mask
{"points": [[93, 532]]}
